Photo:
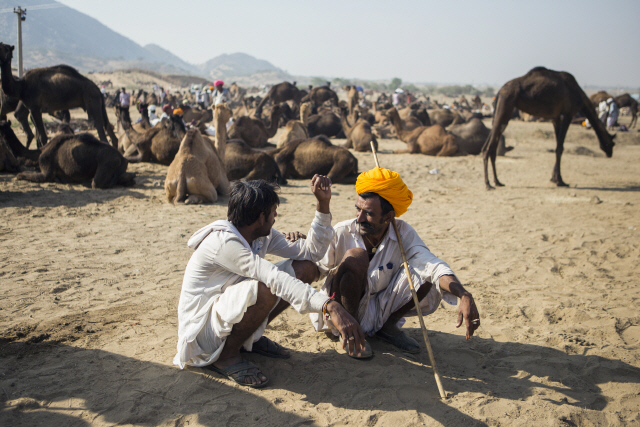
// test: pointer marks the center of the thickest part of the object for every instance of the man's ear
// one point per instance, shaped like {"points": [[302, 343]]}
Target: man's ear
{"points": [[389, 216], [261, 219]]}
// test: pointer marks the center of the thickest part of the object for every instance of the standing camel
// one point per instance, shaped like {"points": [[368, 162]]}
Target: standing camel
{"points": [[52, 89], [549, 94], [625, 100], [279, 93]]}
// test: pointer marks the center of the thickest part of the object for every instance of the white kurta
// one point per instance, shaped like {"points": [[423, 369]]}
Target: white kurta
{"points": [[388, 287], [221, 282]]}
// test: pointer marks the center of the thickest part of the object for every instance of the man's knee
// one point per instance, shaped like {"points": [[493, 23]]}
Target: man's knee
{"points": [[306, 271], [356, 261], [265, 296]]}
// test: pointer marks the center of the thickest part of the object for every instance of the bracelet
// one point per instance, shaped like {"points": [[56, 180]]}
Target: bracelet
{"points": [[324, 306]]}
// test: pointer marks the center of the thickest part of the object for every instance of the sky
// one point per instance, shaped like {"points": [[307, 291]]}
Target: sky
{"points": [[454, 41]]}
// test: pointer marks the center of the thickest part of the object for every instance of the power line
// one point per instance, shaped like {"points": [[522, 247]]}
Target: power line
{"points": [[37, 7]]}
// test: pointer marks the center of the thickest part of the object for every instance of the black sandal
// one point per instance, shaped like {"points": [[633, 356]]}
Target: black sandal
{"points": [[239, 372], [266, 347]]}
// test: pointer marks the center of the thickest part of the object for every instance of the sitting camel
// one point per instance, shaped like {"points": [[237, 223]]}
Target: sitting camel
{"points": [[303, 158], [296, 129], [470, 137], [19, 151], [549, 94], [244, 162], [81, 158], [326, 123], [8, 162], [158, 144], [359, 136], [430, 140], [445, 117], [321, 94], [279, 93], [253, 131], [196, 174]]}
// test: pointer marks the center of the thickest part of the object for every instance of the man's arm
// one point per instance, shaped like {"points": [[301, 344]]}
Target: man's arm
{"points": [[467, 309]]}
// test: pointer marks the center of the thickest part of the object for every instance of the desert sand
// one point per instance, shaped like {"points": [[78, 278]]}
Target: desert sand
{"points": [[90, 282]]}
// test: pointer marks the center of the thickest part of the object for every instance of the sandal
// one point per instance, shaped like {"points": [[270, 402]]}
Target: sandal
{"points": [[238, 372], [401, 341], [367, 353], [267, 347]]}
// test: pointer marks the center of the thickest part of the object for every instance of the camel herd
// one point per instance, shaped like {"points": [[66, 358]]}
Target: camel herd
{"points": [[200, 169]]}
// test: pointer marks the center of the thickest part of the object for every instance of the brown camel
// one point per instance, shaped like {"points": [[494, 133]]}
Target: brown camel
{"points": [[253, 131], [10, 104], [326, 123], [197, 174], [19, 151], [158, 144], [549, 94], [430, 140], [470, 137], [279, 93], [8, 162], [598, 97], [476, 102], [626, 100], [359, 136], [303, 158], [296, 129], [244, 162], [81, 158], [352, 98], [320, 95], [52, 89], [237, 93], [445, 117]]}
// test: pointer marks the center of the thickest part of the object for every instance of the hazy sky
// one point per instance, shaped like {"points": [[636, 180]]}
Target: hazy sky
{"points": [[419, 41]]}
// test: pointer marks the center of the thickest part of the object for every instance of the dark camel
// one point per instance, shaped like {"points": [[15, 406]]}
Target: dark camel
{"points": [[553, 95], [320, 95], [52, 89], [8, 162], [244, 162], [326, 123], [253, 131], [303, 158], [626, 100], [81, 158], [18, 150], [279, 93], [430, 140]]}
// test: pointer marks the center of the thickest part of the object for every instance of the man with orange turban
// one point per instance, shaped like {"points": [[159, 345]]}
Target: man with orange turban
{"points": [[364, 271]]}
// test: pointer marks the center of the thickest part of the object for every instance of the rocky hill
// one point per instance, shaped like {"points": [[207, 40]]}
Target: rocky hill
{"points": [[59, 34]]}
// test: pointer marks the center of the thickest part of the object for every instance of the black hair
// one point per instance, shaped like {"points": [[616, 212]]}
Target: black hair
{"points": [[248, 199], [384, 203]]}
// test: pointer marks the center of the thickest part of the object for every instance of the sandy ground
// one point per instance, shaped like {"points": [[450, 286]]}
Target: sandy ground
{"points": [[89, 285]]}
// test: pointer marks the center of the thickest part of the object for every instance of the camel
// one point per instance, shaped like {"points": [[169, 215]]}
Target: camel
{"points": [[253, 131], [244, 162], [430, 140], [476, 102], [598, 97], [626, 100], [279, 93], [237, 93], [55, 88], [445, 117], [196, 174], [549, 94], [326, 123], [303, 158], [296, 129], [359, 136], [81, 158], [19, 151], [320, 95], [352, 98], [8, 162], [158, 144], [470, 137]]}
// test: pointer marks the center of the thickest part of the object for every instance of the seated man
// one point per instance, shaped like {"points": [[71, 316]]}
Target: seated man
{"points": [[364, 266], [230, 292]]}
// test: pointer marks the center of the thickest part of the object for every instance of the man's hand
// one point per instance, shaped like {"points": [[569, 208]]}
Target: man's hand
{"points": [[349, 328], [468, 311], [321, 188], [292, 236]]}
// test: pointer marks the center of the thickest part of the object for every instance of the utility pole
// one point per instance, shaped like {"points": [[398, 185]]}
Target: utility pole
{"points": [[22, 15]]}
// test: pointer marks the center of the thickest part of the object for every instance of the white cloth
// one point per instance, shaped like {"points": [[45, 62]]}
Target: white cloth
{"points": [[613, 114], [219, 97], [125, 99], [223, 262], [387, 285]]}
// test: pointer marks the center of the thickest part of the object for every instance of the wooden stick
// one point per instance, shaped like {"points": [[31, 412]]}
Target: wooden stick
{"points": [[432, 359]]}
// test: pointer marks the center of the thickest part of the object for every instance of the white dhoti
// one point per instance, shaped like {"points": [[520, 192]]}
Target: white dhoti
{"points": [[227, 310]]}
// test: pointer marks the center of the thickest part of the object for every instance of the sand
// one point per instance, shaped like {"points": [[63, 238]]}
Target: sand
{"points": [[90, 282]]}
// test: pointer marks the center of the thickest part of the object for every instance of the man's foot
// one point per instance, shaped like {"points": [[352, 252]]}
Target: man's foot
{"points": [[241, 371], [266, 347], [398, 338]]}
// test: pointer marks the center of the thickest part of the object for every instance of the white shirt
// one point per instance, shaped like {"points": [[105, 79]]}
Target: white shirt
{"points": [[223, 258], [388, 260]]}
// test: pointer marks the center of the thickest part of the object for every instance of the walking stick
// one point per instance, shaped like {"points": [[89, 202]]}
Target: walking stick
{"points": [[432, 359]]}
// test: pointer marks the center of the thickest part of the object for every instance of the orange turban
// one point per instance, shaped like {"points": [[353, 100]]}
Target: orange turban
{"points": [[388, 185], [177, 112]]}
